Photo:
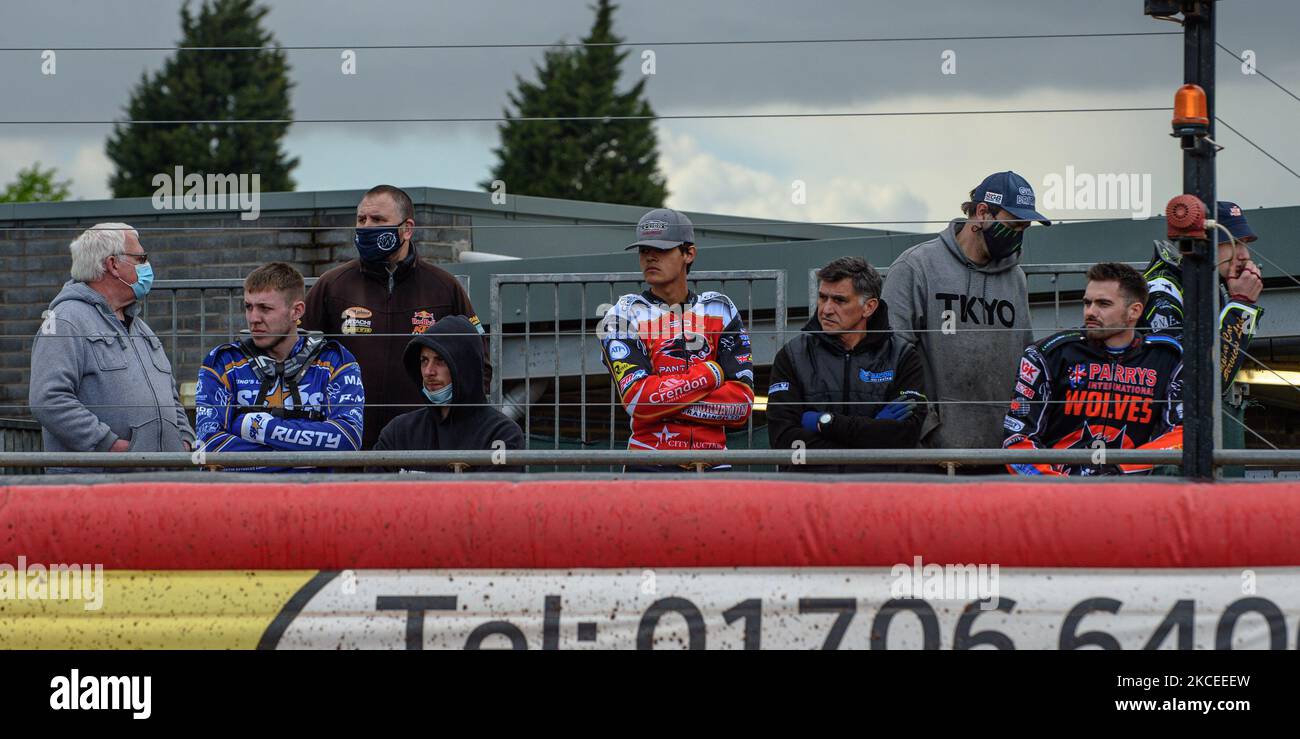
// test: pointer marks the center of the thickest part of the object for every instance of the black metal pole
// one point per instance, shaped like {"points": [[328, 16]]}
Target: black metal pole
{"points": [[1199, 260]]}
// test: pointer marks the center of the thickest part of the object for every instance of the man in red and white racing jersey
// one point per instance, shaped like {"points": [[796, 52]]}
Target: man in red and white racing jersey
{"points": [[681, 361]]}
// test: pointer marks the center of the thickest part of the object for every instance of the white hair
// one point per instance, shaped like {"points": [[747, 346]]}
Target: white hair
{"points": [[91, 248]]}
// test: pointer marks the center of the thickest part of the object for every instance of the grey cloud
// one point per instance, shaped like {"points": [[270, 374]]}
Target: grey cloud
{"points": [[474, 82], [689, 79]]}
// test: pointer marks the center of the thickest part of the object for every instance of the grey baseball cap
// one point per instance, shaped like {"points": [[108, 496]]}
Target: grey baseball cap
{"points": [[663, 229]]}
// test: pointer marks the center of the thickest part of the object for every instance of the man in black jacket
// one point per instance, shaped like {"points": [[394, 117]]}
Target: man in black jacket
{"points": [[446, 364], [847, 382]]}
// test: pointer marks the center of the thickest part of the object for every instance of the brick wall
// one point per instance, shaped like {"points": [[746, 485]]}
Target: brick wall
{"points": [[34, 263]]}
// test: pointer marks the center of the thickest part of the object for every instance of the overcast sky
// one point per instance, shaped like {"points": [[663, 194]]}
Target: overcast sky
{"points": [[855, 169]]}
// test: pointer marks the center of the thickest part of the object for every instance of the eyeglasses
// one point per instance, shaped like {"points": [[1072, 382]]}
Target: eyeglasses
{"points": [[142, 256]]}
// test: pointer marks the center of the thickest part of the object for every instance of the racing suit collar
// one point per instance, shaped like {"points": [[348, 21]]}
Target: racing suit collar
{"points": [[1099, 347], [656, 300], [245, 337]]}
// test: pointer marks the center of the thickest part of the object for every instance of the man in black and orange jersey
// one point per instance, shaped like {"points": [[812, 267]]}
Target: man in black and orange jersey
{"points": [[1105, 386]]}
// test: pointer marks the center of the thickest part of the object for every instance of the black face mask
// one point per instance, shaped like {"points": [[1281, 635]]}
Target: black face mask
{"points": [[1002, 240]]}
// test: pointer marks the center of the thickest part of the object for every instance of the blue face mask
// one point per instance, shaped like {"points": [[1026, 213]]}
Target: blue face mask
{"points": [[442, 396], [377, 244], [143, 281]]}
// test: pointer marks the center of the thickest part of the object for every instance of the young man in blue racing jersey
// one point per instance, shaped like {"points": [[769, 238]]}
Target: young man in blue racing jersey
{"points": [[279, 388]]}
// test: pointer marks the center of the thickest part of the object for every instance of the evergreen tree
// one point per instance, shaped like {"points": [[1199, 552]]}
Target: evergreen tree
{"points": [[210, 86], [609, 161]]}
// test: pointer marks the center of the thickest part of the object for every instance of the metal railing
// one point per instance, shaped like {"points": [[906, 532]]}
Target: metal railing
{"points": [[526, 315], [698, 459]]}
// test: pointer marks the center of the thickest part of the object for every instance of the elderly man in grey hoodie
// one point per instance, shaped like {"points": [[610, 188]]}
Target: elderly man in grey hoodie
{"points": [[963, 300], [100, 380]]}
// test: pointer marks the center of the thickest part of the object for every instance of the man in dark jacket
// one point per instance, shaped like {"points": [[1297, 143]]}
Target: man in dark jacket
{"points": [[847, 382], [371, 304], [446, 366]]}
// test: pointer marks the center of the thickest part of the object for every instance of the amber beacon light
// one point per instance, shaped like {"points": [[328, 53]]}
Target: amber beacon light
{"points": [[1191, 113]]}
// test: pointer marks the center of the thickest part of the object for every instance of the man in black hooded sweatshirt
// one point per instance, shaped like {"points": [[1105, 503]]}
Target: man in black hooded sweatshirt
{"points": [[446, 363]]}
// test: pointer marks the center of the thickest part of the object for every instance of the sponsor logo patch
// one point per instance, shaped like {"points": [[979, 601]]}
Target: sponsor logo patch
{"points": [[1028, 372], [622, 368], [256, 428], [993, 197], [874, 377], [356, 320], [421, 321], [1024, 390], [650, 229], [630, 380], [779, 387], [1013, 425], [1077, 375], [618, 350], [672, 389]]}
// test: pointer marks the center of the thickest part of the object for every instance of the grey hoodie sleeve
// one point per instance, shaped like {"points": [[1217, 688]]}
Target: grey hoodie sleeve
{"points": [[52, 394], [904, 295]]}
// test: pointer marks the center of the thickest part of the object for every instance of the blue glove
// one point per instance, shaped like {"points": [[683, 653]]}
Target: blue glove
{"points": [[809, 421], [897, 411]]}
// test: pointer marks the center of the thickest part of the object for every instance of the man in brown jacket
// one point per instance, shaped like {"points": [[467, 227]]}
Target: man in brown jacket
{"points": [[373, 304]]}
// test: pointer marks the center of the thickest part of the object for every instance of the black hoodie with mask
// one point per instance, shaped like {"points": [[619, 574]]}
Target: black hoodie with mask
{"points": [[470, 424]]}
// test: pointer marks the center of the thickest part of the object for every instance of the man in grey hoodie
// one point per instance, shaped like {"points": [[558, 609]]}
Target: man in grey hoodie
{"points": [[100, 380], [963, 300]]}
